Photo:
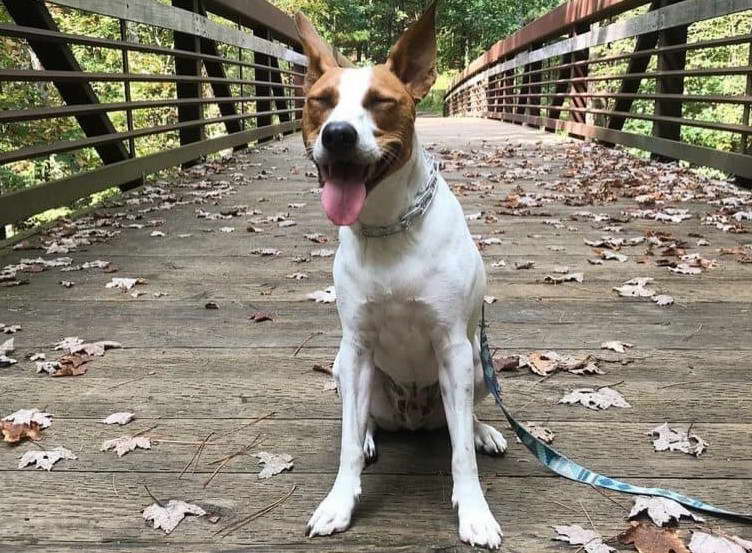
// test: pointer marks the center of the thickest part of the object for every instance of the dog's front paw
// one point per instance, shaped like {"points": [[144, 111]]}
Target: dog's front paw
{"points": [[332, 515], [478, 527]]}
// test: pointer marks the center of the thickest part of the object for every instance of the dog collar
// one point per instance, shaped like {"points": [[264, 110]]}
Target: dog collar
{"points": [[420, 205]]}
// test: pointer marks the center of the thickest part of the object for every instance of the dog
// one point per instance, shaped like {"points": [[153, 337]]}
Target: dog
{"points": [[408, 277]]}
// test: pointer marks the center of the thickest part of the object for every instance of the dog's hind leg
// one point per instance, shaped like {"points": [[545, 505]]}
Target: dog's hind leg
{"points": [[369, 444], [354, 370]]}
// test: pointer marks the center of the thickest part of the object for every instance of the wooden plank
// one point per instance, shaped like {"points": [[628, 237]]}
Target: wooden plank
{"points": [[413, 512], [19, 205], [149, 12], [592, 444]]}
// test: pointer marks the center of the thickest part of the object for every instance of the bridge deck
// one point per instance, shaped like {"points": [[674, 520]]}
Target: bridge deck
{"points": [[187, 371]]}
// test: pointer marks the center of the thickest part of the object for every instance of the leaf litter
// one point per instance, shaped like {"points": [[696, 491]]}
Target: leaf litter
{"points": [[666, 438], [45, 459], [596, 399], [590, 540], [661, 510], [167, 517], [273, 463]]}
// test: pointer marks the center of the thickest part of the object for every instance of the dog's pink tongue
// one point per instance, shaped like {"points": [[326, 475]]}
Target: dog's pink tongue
{"points": [[344, 195]]}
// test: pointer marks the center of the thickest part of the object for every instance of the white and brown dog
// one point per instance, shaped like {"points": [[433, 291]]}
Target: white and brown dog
{"points": [[408, 277]]}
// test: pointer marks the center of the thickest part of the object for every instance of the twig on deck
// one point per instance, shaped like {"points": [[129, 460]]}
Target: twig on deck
{"points": [[254, 421], [144, 431], [195, 456], [590, 520], [224, 460], [304, 342], [114, 487], [610, 385], [152, 373], [157, 501], [693, 334], [683, 383], [611, 499], [227, 530]]}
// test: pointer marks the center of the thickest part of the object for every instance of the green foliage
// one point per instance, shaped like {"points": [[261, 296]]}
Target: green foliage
{"points": [[367, 30]]}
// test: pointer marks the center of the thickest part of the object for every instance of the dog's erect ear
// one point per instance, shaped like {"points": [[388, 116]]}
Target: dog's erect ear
{"points": [[413, 58], [320, 57]]}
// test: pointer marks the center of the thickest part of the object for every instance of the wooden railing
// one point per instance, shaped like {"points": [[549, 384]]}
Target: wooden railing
{"points": [[549, 76], [261, 53]]}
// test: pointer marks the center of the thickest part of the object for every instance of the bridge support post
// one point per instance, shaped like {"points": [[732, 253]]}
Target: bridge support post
{"points": [[262, 90], [187, 90], [579, 88], [534, 103], [670, 61]]}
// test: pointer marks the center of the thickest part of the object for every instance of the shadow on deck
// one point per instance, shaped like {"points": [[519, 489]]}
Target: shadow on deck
{"points": [[187, 371]]}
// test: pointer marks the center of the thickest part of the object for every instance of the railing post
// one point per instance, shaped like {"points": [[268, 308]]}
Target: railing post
{"points": [[127, 88], [188, 90], [262, 90], [670, 61], [580, 71], [534, 104]]}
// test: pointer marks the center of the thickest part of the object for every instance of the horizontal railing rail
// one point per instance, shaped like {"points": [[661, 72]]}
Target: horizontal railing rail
{"points": [[235, 64], [550, 75]]}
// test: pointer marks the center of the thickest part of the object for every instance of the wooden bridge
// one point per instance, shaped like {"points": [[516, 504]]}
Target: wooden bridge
{"points": [[230, 241]]}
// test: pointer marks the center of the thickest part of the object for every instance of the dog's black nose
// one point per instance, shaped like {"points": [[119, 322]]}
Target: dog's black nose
{"points": [[339, 138]]}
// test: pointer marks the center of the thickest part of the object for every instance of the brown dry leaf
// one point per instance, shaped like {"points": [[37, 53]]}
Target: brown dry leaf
{"points": [[505, 364], [261, 316], [542, 364], [14, 433], [72, 364], [648, 538], [24, 424], [327, 295]]}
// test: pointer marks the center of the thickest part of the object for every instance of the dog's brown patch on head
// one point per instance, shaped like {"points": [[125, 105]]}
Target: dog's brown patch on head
{"points": [[392, 109], [321, 99]]}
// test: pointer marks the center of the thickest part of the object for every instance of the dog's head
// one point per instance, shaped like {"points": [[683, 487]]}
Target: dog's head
{"points": [[358, 123]]}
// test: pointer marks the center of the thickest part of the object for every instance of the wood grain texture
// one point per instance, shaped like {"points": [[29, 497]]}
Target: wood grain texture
{"points": [[191, 371]]}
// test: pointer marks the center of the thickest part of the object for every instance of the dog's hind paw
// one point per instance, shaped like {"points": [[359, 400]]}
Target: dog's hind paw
{"points": [[489, 440], [332, 515], [479, 528]]}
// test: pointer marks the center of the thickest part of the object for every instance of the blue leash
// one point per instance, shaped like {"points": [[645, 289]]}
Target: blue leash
{"points": [[567, 468]]}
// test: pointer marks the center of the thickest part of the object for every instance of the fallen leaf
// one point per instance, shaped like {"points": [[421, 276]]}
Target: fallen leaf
{"points": [[648, 538], [119, 418], [489, 299], [317, 238], [504, 364], [211, 305], [323, 252], [297, 276], [666, 438], [615, 345], [702, 542], [636, 288], [72, 364], [261, 316], [684, 269], [661, 510], [323, 296], [543, 433], [570, 277], [45, 459], [95, 349], [49, 367], [227, 230], [67, 283], [545, 363], [125, 444], [601, 398], [24, 424], [124, 284], [266, 252], [663, 300], [273, 463], [591, 541], [9, 329], [5, 348], [524, 265], [168, 516]]}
